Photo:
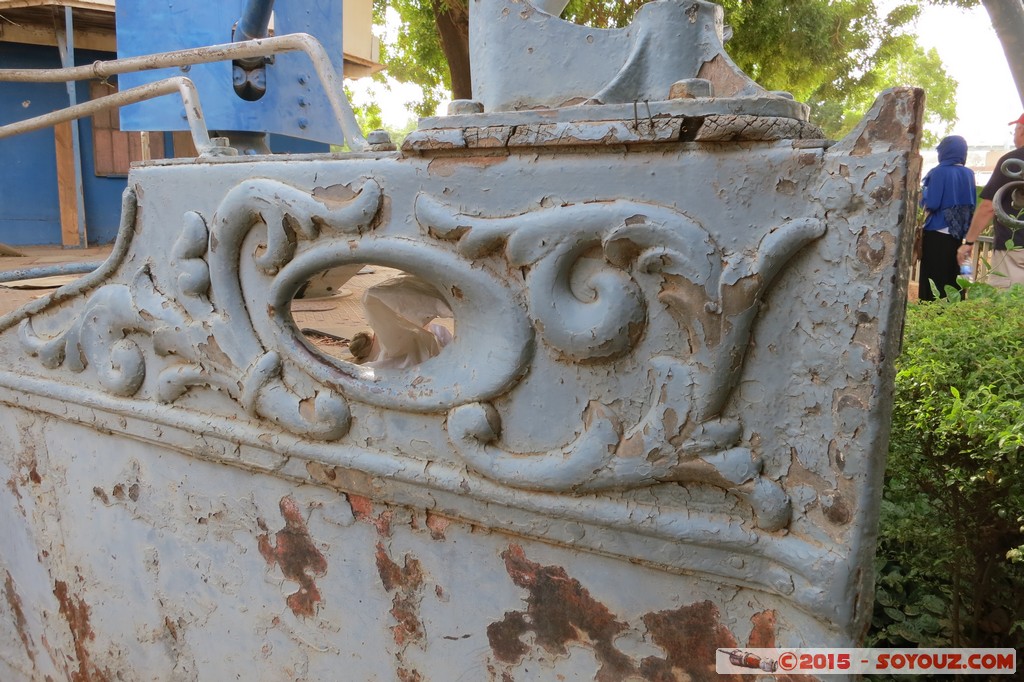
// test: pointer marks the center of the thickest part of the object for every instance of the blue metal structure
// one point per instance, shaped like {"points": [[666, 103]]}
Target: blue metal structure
{"points": [[294, 103]]}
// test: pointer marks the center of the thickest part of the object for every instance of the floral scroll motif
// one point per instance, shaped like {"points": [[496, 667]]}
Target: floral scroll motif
{"points": [[198, 321], [714, 297], [219, 317]]}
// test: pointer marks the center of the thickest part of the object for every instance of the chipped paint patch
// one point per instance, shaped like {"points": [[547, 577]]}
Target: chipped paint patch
{"points": [[406, 582], [76, 613], [437, 525], [298, 557], [689, 635], [362, 510], [14, 604], [559, 611]]}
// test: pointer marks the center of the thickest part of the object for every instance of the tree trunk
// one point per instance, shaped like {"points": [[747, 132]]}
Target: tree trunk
{"points": [[1008, 21], [452, 18]]}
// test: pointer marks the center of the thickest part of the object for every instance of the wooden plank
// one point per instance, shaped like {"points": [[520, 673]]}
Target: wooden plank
{"points": [[89, 39], [67, 195], [156, 145], [96, 5], [184, 148], [135, 150], [122, 155], [103, 153]]}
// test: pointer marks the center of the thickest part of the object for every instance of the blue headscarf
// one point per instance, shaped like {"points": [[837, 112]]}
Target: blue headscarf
{"points": [[949, 193]]}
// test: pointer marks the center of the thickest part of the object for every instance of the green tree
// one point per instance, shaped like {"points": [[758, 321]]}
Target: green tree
{"points": [[836, 55], [431, 45]]}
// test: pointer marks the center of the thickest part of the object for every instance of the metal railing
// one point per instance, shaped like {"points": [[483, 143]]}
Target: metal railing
{"points": [[294, 42], [180, 84]]}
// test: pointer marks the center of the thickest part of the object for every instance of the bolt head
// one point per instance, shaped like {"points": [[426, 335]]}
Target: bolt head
{"points": [[379, 136], [459, 107]]}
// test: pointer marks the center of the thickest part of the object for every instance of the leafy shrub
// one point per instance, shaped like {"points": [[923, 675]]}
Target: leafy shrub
{"points": [[950, 559]]}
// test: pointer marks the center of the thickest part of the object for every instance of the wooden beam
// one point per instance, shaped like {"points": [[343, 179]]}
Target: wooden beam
{"points": [[67, 189], [101, 41], [97, 5]]}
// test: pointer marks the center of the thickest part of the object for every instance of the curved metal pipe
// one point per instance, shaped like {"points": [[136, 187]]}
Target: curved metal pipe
{"points": [[49, 271], [293, 42], [180, 84]]}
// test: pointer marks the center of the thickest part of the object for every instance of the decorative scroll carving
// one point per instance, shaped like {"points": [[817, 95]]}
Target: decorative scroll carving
{"points": [[97, 337], [466, 371], [605, 324], [211, 330], [714, 297], [202, 327]]}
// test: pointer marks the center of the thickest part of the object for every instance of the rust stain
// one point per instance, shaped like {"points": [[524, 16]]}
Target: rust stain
{"points": [[868, 254], [76, 613], [762, 636], [298, 557], [13, 486], [437, 525], [689, 636], [894, 126], [409, 675], [14, 603], [407, 583], [362, 510], [559, 611], [836, 509]]}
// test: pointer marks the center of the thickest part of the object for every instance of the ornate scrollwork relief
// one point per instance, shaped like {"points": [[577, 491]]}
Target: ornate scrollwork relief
{"points": [[219, 316], [200, 324], [713, 296]]}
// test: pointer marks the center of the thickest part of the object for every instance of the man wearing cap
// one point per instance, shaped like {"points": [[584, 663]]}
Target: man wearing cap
{"points": [[1007, 266]]}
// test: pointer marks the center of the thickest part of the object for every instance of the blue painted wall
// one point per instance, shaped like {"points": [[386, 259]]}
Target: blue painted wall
{"points": [[29, 210]]}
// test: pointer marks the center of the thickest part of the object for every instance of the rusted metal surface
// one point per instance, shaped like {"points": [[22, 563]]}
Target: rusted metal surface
{"points": [[659, 429]]}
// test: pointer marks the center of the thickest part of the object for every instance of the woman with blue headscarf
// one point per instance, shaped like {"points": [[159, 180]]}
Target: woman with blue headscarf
{"points": [[948, 198]]}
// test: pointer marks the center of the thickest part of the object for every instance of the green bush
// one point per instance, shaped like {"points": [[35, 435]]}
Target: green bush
{"points": [[950, 559]]}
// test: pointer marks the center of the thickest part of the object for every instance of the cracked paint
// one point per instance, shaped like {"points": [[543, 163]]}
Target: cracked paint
{"points": [[362, 510]]}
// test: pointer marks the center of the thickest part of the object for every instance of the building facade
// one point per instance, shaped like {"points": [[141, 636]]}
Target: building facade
{"points": [[62, 185]]}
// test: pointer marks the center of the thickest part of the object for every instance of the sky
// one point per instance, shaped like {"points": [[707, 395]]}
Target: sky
{"points": [[964, 39], [986, 96]]}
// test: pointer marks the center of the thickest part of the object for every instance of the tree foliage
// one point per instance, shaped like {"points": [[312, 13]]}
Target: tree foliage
{"points": [[836, 55]]}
